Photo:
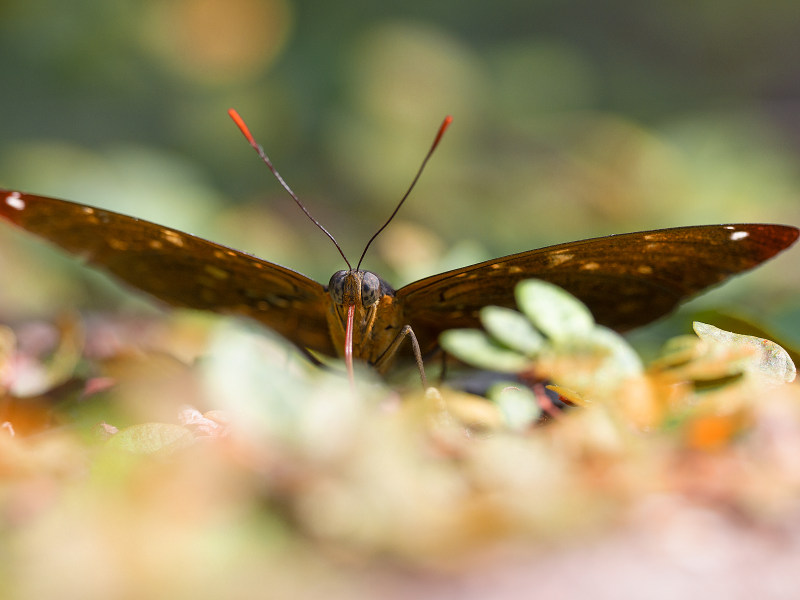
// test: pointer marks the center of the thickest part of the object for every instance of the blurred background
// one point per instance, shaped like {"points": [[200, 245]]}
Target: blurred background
{"points": [[571, 120]]}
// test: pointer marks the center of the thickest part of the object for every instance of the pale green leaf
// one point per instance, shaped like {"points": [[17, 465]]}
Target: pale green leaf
{"points": [[512, 328], [769, 359], [552, 310], [476, 348]]}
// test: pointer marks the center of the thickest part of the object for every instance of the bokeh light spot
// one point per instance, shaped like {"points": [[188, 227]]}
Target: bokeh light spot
{"points": [[219, 41]]}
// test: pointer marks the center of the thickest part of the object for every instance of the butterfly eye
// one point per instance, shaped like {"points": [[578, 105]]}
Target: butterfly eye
{"points": [[336, 286], [370, 289]]}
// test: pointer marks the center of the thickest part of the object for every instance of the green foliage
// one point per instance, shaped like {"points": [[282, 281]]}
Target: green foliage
{"points": [[555, 336]]}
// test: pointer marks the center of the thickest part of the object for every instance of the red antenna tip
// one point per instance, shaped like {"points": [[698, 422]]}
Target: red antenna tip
{"points": [[241, 125], [445, 124]]}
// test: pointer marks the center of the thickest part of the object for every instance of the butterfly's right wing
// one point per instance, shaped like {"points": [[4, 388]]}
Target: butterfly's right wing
{"points": [[626, 280], [178, 268]]}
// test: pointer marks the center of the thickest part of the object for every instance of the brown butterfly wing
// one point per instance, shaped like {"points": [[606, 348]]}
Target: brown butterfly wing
{"points": [[178, 268], [626, 280]]}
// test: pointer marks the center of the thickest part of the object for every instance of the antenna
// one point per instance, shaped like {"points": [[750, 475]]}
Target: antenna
{"points": [[445, 124], [243, 128]]}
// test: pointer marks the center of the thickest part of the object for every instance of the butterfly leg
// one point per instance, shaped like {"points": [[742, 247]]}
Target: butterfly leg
{"points": [[406, 331]]}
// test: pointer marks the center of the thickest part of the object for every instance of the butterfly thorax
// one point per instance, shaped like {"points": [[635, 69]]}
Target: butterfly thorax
{"points": [[376, 318]]}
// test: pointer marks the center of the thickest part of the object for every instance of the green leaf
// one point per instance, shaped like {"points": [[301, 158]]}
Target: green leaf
{"points": [[512, 328], [553, 311], [769, 359], [518, 405], [476, 348]]}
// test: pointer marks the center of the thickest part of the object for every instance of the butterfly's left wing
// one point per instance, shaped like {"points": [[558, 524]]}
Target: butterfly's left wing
{"points": [[626, 280], [179, 268]]}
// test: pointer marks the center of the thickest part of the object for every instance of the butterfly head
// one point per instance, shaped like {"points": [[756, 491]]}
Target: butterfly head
{"points": [[362, 289], [357, 298]]}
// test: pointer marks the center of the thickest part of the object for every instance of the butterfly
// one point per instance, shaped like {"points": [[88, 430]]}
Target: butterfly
{"points": [[626, 280]]}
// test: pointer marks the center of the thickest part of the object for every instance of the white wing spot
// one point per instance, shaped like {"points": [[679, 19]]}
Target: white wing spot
{"points": [[88, 210], [590, 266], [15, 201], [739, 235], [729, 227], [173, 237], [496, 266]]}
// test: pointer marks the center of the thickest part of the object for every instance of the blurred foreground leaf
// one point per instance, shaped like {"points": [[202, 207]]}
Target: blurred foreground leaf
{"points": [[768, 359]]}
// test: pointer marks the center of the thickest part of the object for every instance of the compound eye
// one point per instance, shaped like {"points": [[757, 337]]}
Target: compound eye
{"points": [[370, 289], [336, 286]]}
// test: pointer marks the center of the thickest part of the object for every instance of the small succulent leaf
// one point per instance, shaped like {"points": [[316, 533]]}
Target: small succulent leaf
{"points": [[476, 348], [512, 329], [552, 310]]}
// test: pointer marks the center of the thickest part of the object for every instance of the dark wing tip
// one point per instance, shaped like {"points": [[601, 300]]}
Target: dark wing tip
{"points": [[779, 235]]}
